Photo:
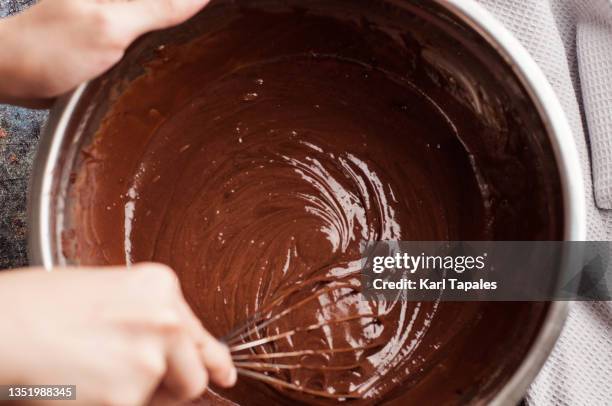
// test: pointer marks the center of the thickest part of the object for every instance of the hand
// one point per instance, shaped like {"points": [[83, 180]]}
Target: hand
{"points": [[123, 337], [57, 44]]}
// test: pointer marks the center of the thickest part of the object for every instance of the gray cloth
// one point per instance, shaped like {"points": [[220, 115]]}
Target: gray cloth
{"points": [[571, 40]]}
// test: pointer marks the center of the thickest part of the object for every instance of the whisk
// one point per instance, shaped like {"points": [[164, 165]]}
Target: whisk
{"points": [[247, 344]]}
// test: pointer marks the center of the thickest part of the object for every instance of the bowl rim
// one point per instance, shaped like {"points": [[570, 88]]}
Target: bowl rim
{"points": [[534, 81], [570, 172]]}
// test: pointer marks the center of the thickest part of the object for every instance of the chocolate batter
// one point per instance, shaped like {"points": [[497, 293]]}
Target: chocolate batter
{"points": [[261, 154]]}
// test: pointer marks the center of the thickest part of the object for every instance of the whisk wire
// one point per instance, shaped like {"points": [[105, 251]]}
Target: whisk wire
{"points": [[286, 334], [261, 365], [299, 388], [240, 333], [301, 353]]}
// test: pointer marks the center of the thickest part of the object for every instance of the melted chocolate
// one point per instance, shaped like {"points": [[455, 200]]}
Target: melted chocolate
{"points": [[261, 154]]}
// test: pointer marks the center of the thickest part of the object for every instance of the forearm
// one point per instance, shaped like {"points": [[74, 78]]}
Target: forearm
{"points": [[12, 355], [12, 65], [16, 74], [19, 82]]}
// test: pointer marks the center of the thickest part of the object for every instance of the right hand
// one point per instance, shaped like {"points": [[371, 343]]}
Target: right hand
{"points": [[123, 337]]}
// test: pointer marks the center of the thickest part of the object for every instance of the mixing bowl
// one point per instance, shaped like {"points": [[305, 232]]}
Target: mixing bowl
{"points": [[467, 52]]}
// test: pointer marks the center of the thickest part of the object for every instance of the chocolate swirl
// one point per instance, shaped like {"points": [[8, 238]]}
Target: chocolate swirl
{"points": [[280, 186], [258, 158]]}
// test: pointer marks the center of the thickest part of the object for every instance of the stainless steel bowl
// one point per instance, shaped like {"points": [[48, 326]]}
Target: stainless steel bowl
{"points": [[63, 134]]}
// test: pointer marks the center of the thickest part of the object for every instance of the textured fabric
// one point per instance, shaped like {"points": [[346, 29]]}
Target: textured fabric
{"points": [[571, 40]]}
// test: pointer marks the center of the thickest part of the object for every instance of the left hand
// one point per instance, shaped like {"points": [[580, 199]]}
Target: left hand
{"points": [[55, 45]]}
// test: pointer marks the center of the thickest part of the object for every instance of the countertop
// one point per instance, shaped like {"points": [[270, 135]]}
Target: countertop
{"points": [[19, 133]]}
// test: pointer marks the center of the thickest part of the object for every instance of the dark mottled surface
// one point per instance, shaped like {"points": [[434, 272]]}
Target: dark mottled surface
{"points": [[19, 133], [8, 7]]}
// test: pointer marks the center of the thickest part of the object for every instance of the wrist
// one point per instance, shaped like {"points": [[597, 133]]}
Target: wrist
{"points": [[14, 71], [9, 345]]}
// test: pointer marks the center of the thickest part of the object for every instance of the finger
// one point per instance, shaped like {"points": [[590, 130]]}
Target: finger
{"points": [[186, 377], [193, 323], [216, 356], [218, 362], [163, 397], [140, 16]]}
